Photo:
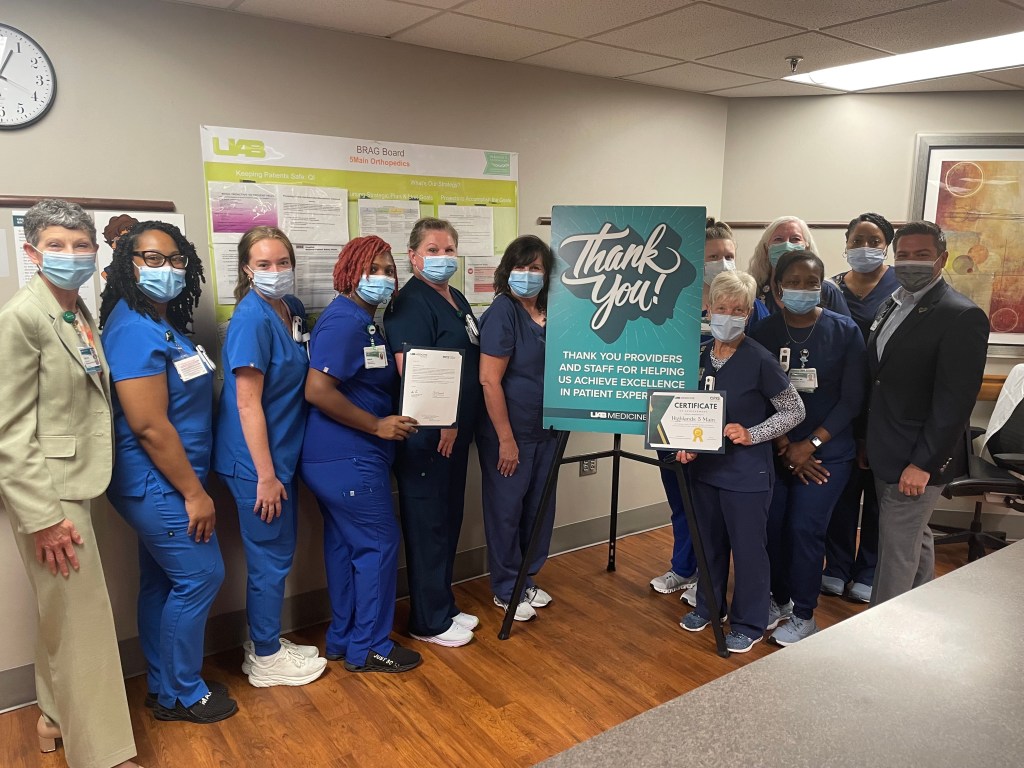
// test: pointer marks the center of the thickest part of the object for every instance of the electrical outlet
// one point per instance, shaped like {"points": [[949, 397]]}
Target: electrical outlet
{"points": [[588, 467]]}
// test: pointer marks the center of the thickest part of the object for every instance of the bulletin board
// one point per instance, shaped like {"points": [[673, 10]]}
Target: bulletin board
{"points": [[324, 190]]}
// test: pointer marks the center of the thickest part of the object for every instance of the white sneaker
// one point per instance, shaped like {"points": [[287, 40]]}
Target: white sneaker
{"points": [[524, 611], [466, 620], [286, 667], [452, 637], [537, 597], [672, 582], [690, 595], [249, 649]]}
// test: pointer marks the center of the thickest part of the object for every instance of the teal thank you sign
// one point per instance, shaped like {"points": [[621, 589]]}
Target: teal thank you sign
{"points": [[624, 311]]}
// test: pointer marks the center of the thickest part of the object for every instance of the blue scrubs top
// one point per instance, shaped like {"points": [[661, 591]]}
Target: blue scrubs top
{"points": [[831, 298], [420, 316], [863, 311], [336, 348], [507, 330], [258, 339], [137, 347], [750, 379], [836, 351]]}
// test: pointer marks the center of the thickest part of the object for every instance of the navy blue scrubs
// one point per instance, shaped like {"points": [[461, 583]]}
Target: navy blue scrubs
{"points": [[841, 542], [511, 503], [732, 490], [799, 514], [348, 471], [178, 577], [432, 488], [257, 338]]}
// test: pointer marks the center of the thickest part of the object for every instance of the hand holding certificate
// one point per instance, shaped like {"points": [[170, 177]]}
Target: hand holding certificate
{"points": [[431, 385]]}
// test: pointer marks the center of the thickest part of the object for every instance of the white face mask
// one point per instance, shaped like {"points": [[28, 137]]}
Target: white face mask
{"points": [[274, 285], [727, 328], [713, 269]]}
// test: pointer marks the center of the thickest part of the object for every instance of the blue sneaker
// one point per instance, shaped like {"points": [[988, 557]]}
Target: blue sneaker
{"points": [[694, 622], [778, 613], [737, 642], [831, 585], [795, 630]]}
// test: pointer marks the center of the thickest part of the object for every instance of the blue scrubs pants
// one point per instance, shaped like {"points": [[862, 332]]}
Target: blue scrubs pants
{"points": [[797, 521], [684, 562], [178, 580], [841, 542], [269, 549], [510, 508], [431, 496], [735, 521], [361, 541]]}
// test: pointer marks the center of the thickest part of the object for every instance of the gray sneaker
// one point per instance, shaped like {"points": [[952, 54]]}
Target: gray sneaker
{"points": [[860, 592], [795, 630], [689, 595], [778, 613], [672, 582], [737, 642], [831, 585]]}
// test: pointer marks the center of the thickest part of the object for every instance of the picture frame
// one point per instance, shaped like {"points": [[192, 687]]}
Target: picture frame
{"points": [[972, 186]]}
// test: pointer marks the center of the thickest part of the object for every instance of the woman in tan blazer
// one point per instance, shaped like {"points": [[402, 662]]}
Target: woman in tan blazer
{"points": [[55, 456]]}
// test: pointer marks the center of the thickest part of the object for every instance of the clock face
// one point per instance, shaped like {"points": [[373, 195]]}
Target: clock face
{"points": [[27, 82]]}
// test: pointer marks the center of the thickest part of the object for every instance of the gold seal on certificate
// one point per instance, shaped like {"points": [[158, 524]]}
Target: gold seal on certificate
{"points": [[686, 421]]}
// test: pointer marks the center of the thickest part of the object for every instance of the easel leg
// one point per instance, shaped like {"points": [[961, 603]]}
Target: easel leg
{"points": [[613, 526], [538, 523], [703, 577]]}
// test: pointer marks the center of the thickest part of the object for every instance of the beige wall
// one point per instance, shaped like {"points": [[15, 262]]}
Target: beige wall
{"points": [[136, 79]]}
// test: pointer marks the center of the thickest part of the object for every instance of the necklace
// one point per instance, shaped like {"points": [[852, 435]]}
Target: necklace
{"points": [[809, 334]]}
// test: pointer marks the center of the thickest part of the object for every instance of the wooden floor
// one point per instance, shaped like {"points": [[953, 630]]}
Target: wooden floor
{"points": [[607, 649]]}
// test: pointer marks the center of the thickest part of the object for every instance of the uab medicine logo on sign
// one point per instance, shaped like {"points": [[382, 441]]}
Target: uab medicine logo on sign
{"points": [[239, 147], [498, 163]]}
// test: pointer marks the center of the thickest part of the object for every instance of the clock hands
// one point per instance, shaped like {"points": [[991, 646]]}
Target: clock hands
{"points": [[3, 66]]}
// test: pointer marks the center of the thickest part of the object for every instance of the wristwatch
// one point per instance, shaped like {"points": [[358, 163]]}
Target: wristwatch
{"points": [[815, 441]]}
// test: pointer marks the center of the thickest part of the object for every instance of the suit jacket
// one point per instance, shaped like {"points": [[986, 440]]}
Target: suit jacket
{"points": [[55, 421], [925, 385]]}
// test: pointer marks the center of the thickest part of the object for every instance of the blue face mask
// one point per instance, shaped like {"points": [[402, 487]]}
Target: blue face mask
{"points": [[865, 259], [800, 302], [777, 250], [69, 271], [728, 327], [375, 289], [524, 283], [274, 285], [161, 284], [713, 269], [437, 269]]}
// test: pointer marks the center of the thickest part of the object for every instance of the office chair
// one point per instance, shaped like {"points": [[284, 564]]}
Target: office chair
{"points": [[994, 480]]}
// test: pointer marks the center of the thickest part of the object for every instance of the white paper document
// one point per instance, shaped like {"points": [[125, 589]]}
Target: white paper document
{"points": [[391, 221], [432, 385], [479, 283], [475, 225]]}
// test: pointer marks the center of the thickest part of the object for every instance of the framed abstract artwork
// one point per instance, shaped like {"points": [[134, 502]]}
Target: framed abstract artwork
{"points": [[972, 186]]}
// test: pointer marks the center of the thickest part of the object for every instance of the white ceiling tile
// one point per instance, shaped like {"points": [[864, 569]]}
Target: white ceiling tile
{"points": [[381, 17], [954, 21], [578, 18], [594, 59], [775, 88], [693, 77], [770, 59], [955, 83], [695, 31], [476, 37], [1011, 76], [818, 13]]}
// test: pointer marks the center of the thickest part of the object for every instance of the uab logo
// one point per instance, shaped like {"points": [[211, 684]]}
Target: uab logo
{"points": [[236, 147]]}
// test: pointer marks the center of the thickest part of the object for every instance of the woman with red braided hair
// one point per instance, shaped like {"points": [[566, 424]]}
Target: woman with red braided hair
{"points": [[347, 453]]}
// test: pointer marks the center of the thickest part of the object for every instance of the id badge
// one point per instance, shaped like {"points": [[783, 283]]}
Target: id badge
{"points": [[190, 367], [90, 359], [804, 379], [375, 357]]}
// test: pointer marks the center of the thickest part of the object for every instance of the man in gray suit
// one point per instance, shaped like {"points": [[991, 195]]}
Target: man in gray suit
{"points": [[56, 450], [926, 358]]}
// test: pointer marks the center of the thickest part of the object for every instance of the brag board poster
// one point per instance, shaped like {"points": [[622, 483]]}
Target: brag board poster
{"points": [[324, 190], [624, 310]]}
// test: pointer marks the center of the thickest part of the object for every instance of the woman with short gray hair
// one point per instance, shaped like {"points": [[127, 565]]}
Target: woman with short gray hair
{"points": [[56, 453]]}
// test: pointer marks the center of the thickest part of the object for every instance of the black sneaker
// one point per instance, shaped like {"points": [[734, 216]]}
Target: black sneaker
{"points": [[399, 660], [212, 708], [152, 699], [334, 656]]}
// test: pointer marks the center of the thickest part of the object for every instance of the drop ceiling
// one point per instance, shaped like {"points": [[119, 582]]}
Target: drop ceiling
{"points": [[731, 48]]}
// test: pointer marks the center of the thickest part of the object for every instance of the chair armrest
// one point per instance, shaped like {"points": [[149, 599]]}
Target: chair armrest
{"points": [[1014, 461]]}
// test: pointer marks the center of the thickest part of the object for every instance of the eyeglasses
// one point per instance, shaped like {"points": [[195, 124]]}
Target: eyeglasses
{"points": [[157, 259]]}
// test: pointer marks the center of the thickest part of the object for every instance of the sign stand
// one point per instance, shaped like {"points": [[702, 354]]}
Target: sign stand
{"points": [[616, 454]]}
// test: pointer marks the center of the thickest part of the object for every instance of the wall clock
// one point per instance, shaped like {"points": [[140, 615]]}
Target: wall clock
{"points": [[28, 84]]}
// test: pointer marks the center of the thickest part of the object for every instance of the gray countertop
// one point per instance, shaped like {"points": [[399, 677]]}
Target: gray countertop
{"points": [[932, 678]]}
